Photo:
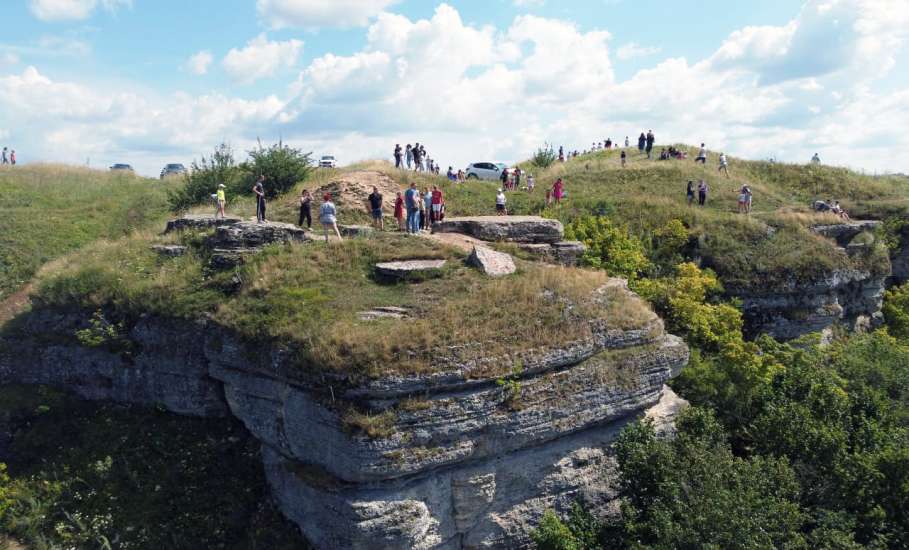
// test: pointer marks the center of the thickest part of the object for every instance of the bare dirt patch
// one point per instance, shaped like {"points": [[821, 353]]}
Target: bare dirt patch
{"points": [[352, 189]]}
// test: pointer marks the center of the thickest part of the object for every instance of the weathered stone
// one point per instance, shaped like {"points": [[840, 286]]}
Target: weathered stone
{"points": [[249, 235], [170, 250], [522, 229], [356, 230], [490, 262], [410, 269], [844, 232], [567, 253], [227, 258], [386, 312], [198, 221]]}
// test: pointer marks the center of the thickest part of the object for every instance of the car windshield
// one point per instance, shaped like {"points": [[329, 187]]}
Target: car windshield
{"points": [[174, 166], [500, 165], [328, 158], [121, 166]]}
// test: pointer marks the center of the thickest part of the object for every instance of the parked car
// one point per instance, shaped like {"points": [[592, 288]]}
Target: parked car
{"points": [[121, 167], [173, 170], [485, 171], [328, 161]]}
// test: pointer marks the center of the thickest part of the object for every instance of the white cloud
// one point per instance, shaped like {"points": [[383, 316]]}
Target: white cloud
{"points": [[9, 58], [528, 3], [199, 62], [65, 10], [279, 14], [632, 50], [261, 58]]}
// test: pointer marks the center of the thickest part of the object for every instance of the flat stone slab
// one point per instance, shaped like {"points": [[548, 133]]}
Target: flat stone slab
{"points": [[384, 312], [170, 250], [198, 221], [255, 235], [520, 229], [844, 232], [356, 230], [407, 269], [567, 253], [491, 262]]}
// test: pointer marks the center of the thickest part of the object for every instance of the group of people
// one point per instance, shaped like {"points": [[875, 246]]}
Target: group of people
{"points": [[415, 158], [833, 207], [421, 209], [8, 156]]}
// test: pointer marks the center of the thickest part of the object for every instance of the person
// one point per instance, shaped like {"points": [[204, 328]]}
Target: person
{"points": [[500, 203], [558, 190], [702, 193], [702, 155], [450, 174], [411, 202], [375, 206], [517, 179], [743, 201], [408, 156], [608, 143], [305, 209], [561, 154], [422, 158], [689, 193], [663, 154], [504, 178], [437, 201], [530, 183], [328, 217], [221, 199], [748, 196], [398, 155], [623, 158], [427, 209], [460, 176], [3, 159], [627, 143], [724, 164], [259, 190], [416, 156], [642, 142], [399, 210], [814, 160], [12, 157], [650, 140]]}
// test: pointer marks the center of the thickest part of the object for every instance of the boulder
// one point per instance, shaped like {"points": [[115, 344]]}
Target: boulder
{"points": [[198, 221], [410, 269], [255, 235], [844, 232], [490, 262], [170, 250], [567, 253], [520, 229]]}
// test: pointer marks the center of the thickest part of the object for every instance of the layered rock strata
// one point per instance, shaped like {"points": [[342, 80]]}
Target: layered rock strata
{"points": [[467, 455]]}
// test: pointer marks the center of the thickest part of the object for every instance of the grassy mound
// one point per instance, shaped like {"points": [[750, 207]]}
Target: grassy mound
{"points": [[48, 210]]}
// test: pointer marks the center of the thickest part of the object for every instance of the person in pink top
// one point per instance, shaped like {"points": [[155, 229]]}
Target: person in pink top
{"points": [[558, 190]]}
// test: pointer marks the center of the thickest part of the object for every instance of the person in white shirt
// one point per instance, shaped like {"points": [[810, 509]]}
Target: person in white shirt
{"points": [[724, 164], [702, 155], [500, 203]]}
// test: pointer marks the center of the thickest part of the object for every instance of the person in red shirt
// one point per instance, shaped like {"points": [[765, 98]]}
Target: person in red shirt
{"points": [[436, 203], [399, 210]]}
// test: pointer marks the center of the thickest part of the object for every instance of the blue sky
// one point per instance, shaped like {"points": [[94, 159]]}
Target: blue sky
{"points": [[150, 82]]}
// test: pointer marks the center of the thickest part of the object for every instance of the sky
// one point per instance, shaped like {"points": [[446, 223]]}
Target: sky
{"points": [[149, 82]]}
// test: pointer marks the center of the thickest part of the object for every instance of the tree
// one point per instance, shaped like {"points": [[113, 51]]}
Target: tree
{"points": [[282, 165], [203, 178]]}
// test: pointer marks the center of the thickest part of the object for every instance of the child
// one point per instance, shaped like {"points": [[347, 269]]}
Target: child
{"points": [[623, 158], [399, 210], [530, 183], [222, 200], [500, 203]]}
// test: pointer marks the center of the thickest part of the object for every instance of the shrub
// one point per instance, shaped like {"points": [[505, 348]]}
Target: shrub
{"points": [[282, 165], [544, 157], [203, 178], [896, 311], [609, 246]]}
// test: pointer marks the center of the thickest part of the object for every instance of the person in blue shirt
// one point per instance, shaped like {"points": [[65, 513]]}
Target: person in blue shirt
{"points": [[411, 202]]}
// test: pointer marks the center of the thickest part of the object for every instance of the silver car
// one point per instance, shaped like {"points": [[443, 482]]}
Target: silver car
{"points": [[328, 161], [485, 171], [173, 170]]}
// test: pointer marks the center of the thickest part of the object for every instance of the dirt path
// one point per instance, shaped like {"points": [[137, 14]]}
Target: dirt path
{"points": [[14, 304]]}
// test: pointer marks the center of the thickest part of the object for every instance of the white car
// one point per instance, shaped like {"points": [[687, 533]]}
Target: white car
{"points": [[485, 171], [328, 161]]}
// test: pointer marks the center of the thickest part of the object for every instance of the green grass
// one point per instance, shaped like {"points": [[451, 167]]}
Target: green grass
{"points": [[84, 473], [47, 211]]}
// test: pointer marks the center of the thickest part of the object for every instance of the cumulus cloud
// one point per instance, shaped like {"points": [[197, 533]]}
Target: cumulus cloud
{"points": [[632, 50], [199, 62], [67, 10], [261, 58], [279, 14]]}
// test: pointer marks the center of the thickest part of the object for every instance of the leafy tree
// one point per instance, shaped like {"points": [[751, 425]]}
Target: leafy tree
{"points": [[545, 156], [282, 165], [896, 310], [202, 180]]}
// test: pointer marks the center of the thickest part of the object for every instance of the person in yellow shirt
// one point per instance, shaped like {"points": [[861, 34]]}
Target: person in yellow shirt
{"points": [[222, 201]]}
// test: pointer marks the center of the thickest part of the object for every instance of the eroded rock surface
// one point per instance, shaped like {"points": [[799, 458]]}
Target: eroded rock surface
{"points": [[198, 221], [490, 262], [521, 229], [409, 269], [567, 253]]}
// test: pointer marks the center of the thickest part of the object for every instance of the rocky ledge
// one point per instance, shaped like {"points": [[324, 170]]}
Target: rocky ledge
{"points": [[466, 455]]}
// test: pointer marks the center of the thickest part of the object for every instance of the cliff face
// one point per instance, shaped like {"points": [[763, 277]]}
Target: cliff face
{"points": [[454, 458]]}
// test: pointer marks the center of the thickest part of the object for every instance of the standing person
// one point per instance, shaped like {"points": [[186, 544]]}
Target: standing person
{"points": [[627, 143], [398, 155], [530, 183], [422, 158], [500, 203], [504, 178], [408, 156], [702, 155], [702, 193], [642, 142], [3, 159], [305, 209], [558, 190], [411, 202], [561, 154], [748, 197], [427, 209], [437, 201], [517, 179], [743, 201], [328, 217], [816, 159], [12, 157], [623, 158], [416, 156], [375, 206], [259, 190], [650, 140], [222, 201], [724, 164], [608, 143], [399, 210], [689, 193]]}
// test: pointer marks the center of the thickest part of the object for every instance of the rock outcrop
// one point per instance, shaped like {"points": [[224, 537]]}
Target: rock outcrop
{"points": [[466, 455], [490, 262], [404, 270], [198, 221], [843, 233], [567, 253], [520, 229]]}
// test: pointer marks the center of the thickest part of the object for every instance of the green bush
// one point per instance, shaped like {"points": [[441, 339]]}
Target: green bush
{"points": [[609, 246], [282, 165], [896, 311], [203, 178], [544, 157]]}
